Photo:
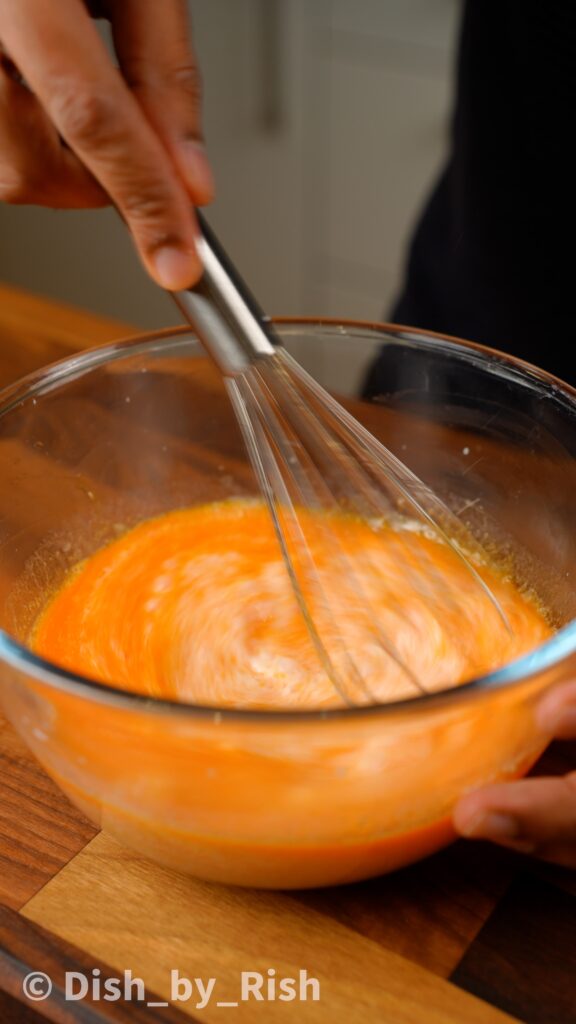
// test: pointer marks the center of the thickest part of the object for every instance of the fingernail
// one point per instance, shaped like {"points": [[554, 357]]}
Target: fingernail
{"points": [[175, 268], [490, 825], [197, 170], [500, 828]]}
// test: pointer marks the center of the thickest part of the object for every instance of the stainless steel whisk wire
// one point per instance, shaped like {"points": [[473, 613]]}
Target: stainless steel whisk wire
{"points": [[297, 436], [282, 510]]}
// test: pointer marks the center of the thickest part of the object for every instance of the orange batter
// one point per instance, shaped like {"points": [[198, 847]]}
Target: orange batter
{"points": [[197, 606]]}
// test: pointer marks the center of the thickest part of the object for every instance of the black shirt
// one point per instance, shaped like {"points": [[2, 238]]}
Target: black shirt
{"points": [[493, 258]]}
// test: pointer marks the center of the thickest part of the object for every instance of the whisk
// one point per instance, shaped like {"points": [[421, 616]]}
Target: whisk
{"points": [[313, 460]]}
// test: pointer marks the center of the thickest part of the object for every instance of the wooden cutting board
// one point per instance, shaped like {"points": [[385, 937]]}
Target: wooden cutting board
{"points": [[473, 934]]}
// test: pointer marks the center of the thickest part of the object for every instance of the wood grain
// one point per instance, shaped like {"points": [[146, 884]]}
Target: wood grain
{"points": [[131, 913], [514, 962], [42, 330], [430, 912], [39, 829], [26, 948], [14, 1012], [434, 944]]}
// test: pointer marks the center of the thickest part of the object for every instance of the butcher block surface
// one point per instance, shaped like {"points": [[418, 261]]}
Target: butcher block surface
{"points": [[473, 935]]}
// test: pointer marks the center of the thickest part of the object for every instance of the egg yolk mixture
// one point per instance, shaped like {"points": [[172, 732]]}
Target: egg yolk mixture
{"points": [[197, 606]]}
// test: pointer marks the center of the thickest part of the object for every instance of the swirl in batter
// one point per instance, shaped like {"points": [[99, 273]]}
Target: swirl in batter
{"points": [[197, 606]]}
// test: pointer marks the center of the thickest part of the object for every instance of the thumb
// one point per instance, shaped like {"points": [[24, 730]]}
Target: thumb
{"points": [[531, 816]]}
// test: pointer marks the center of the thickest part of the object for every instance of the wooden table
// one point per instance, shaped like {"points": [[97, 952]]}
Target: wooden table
{"points": [[473, 934]]}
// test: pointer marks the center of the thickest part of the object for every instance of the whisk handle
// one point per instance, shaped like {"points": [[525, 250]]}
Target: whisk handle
{"points": [[223, 311]]}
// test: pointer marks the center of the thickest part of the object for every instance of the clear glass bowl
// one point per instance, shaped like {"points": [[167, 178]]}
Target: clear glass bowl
{"points": [[94, 444]]}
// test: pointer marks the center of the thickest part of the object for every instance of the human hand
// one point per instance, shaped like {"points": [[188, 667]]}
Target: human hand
{"points": [[535, 815], [83, 133]]}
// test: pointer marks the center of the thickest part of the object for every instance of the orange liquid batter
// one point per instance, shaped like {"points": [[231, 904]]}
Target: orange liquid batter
{"points": [[197, 606]]}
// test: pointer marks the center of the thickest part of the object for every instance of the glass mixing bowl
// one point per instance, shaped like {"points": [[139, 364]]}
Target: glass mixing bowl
{"points": [[94, 444]]}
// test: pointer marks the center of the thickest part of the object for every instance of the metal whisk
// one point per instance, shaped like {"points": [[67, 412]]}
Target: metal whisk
{"points": [[311, 456]]}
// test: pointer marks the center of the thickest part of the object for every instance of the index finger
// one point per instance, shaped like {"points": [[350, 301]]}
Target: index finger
{"points": [[64, 61]]}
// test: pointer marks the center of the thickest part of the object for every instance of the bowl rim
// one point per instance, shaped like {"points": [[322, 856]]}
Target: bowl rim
{"points": [[548, 655]]}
